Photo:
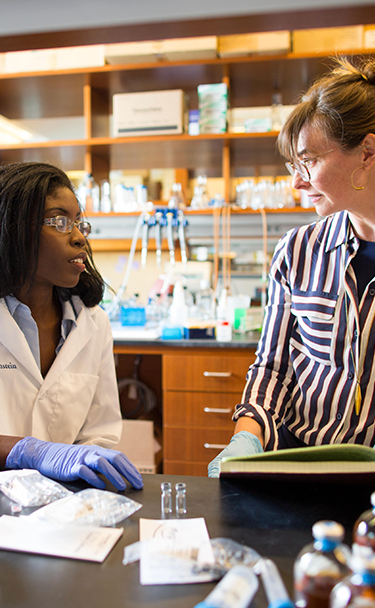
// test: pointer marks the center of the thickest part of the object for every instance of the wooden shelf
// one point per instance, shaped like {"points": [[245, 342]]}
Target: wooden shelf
{"points": [[88, 92]]}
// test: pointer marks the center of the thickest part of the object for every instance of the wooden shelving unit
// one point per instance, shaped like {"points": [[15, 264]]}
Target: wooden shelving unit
{"points": [[88, 93]]}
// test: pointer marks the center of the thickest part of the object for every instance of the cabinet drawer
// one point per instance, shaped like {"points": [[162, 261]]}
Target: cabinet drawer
{"points": [[205, 410], [206, 372], [195, 445]]}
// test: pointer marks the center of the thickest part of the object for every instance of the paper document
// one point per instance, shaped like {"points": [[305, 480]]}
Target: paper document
{"points": [[74, 542], [170, 548]]}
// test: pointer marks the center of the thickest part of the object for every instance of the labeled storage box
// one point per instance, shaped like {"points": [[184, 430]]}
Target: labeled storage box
{"points": [[328, 39], [213, 107], [249, 44], [259, 119], [150, 113]]}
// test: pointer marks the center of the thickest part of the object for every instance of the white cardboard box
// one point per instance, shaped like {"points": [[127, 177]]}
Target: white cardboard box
{"points": [[133, 52], [175, 49], [149, 113], [80, 57], [186, 49], [138, 444], [257, 43], [29, 61], [328, 39]]}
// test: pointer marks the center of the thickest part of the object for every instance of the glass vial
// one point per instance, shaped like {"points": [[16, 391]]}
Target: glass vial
{"points": [[166, 499], [180, 498], [364, 527], [321, 565], [357, 590]]}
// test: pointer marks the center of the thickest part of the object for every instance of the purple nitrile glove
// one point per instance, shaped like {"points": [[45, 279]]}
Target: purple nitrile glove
{"points": [[65, 462]]}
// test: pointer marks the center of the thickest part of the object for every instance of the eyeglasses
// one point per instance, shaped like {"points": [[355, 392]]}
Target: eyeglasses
{"points": [[65, 224], [302, 167]]}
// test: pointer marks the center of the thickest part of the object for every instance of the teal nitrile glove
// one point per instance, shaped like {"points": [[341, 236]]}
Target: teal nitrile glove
{"points": [[65, 462], [241, 444]]}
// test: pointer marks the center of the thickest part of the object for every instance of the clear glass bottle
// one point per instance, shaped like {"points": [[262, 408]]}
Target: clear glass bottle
{"points": [[166, 498], [177, 200], [321, 565], [358, 589], [105, 197], [180, 498], [364, 527], [205, 301]]}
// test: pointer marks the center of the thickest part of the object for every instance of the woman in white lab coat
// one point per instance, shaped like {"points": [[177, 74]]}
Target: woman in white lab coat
{"points": [[59, 409]]}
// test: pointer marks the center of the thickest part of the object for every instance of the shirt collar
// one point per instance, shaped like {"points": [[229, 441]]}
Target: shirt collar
{"points": [[340, 232], [69, 314]]}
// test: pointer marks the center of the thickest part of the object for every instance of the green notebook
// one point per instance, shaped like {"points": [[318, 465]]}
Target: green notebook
{"points": [[325, 463]]}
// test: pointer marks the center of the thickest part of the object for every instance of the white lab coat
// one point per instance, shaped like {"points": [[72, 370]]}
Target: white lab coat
{"points": [[77, 401]]}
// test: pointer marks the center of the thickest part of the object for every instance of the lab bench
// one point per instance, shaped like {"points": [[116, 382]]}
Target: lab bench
{"points": [[274, 518], [197, 384]]}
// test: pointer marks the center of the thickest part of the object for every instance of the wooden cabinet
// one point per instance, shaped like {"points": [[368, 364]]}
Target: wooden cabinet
{"points": [[200, 391]]}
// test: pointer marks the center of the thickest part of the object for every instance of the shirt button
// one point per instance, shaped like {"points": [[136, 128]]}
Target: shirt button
{"points": [[350, 375], [372, 292], [355, 334], [339, 416]]}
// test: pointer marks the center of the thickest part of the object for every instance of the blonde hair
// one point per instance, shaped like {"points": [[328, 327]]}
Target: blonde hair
{"points": [[341, 104]]}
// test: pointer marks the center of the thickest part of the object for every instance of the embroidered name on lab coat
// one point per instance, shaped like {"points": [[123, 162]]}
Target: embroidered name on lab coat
{"points": [[8, 366]]}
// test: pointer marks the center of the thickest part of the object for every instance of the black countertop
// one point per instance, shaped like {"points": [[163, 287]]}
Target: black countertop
{"points": [[274, 518]]}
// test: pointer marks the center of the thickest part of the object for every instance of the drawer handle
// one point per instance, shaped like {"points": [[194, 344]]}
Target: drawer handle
{"points": [[215, 446], [217, 374], [217, 410]]}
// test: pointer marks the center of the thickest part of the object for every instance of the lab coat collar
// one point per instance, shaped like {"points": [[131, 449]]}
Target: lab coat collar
{"points": [[14, 340]]}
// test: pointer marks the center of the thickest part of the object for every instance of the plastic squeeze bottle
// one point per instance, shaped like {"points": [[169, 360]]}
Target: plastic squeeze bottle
{"points": [[235, 590]]}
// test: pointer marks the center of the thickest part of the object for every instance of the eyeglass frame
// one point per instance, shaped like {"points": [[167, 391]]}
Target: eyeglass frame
{"points": [[292, 168], [52, 221]]}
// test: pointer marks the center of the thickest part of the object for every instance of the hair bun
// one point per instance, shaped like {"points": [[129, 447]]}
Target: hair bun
{"points": [[368, 72]]}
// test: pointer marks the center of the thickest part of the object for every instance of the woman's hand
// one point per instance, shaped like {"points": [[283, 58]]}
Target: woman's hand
{"points": [[241, 444]]}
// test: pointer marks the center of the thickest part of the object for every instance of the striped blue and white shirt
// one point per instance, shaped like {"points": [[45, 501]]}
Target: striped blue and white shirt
{"points": [[317, 339]]}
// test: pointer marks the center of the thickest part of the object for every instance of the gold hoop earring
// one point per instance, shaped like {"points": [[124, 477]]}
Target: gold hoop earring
{"points": [[352, 175]]}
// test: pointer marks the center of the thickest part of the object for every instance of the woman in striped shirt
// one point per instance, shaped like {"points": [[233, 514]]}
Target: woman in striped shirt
{"points": [[313, 381]]}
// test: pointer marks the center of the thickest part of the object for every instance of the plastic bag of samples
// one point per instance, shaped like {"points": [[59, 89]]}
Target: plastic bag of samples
{"points": [[89, 507], [30, 488]]}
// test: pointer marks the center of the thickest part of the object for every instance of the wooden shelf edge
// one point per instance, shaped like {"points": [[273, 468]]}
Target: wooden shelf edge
{"points": [[255, 58], [110, 141]]}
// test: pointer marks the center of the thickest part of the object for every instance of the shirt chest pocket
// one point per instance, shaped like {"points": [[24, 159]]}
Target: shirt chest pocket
{"points": [[314, 328]]}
